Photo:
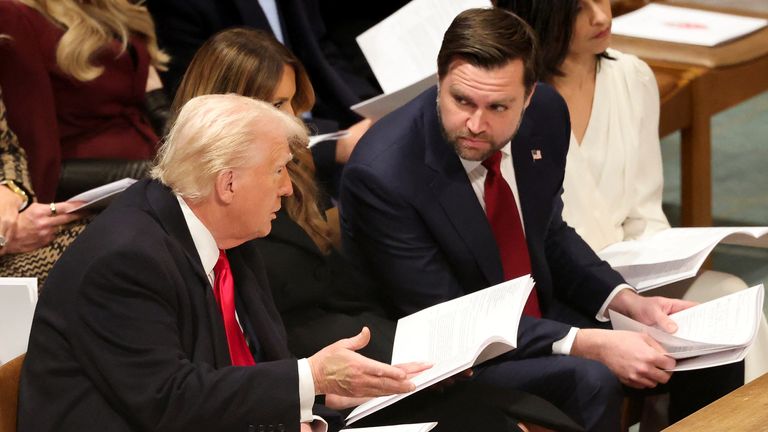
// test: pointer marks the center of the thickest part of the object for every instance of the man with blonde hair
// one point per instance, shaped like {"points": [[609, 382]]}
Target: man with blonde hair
{"points": [[159, 316]]}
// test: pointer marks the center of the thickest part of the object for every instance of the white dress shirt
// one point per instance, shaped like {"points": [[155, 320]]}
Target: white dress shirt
{"points": [[209, 253], [476, 173], [269, 7]]}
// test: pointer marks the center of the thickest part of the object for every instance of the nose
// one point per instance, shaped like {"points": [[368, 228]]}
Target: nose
{"points": [[286, 188], [475, 122], [600, 16]]}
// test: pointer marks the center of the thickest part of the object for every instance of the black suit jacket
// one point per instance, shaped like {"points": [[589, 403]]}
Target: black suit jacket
{"points": [[410, 214], [127, 335], [321, 297], [183, 26]]}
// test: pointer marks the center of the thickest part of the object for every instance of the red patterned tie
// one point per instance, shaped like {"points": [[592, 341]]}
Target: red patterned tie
{"points": [[501, 210], [224, 291]]}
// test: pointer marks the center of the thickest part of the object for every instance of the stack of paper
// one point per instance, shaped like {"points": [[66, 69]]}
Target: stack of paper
{"points": [[402, 51], [685, 25], [674, 254], [456, 335], [710, 334]]}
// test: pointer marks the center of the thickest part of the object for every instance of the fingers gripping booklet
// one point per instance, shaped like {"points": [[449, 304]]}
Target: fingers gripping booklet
{"points": [[709, 334], [455, 335]]}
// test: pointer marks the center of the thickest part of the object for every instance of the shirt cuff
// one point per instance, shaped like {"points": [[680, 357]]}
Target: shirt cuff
{"points": [[318, 424], [564, 345], [602, 314], [306, 392]]}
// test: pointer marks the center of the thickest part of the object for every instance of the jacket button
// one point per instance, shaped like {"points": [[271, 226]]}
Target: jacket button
{"points": [[280, 427]]}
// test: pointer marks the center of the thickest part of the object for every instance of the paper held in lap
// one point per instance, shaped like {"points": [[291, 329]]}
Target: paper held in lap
{"points": [[675, 253], [456, 335], [710, 334]]}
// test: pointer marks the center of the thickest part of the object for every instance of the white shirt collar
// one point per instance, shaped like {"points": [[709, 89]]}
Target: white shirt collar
{"points": [[203, 239], [470, 166]]}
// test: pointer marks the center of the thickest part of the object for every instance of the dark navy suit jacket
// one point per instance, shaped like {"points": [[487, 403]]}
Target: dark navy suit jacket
{"points": [[410, 215]]}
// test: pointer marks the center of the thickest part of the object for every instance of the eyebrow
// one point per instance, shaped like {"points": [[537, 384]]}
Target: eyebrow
{"points": [[455, 92]]}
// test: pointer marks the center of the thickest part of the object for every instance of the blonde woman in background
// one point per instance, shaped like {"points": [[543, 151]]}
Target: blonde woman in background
{"points": [[76, 76]]}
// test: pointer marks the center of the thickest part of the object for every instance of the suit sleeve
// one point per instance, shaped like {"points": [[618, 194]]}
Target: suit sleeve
{"points": [[142, 369], [398, 248]]}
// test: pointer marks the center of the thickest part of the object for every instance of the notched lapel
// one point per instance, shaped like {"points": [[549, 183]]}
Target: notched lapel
{"points": [[453, 191]]}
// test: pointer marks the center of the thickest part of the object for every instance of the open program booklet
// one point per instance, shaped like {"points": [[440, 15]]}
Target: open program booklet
{"points": [[675, 253], [714, 333], [415, 427], [456, 335]]}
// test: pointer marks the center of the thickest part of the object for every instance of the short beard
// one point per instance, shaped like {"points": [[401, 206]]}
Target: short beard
{"points": [[453, 139]]}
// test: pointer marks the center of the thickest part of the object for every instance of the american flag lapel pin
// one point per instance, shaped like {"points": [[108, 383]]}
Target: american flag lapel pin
{"points": [[536, 154]]}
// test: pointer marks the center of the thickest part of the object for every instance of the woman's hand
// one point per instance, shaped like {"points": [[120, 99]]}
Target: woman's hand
{"points": [[37, 226]]}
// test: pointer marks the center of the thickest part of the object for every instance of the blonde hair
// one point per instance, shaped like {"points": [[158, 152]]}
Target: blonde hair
{"points": [[215, 133], [91, 25], [250, 62]]}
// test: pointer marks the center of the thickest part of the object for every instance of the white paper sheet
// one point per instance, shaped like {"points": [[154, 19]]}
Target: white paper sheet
{"points": [[455, 336], [18, 297], [99, 197], [674, 254], [416, 427], [685, 25]]}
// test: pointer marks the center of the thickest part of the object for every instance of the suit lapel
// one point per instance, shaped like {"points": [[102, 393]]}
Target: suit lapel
{"points": [[526, 175], [258, 315], [168, 213], [453, 191]]}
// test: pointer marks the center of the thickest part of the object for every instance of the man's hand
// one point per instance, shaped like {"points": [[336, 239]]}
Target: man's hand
{"points": [[337, 369], [635, 358], [649, 310]]}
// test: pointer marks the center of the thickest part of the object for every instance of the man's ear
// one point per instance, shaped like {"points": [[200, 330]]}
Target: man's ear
{"points": [[224, 188], [530, 95]]}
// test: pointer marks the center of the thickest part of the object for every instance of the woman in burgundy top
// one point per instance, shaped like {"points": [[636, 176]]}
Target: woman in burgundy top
{"points": [[75, 74]]}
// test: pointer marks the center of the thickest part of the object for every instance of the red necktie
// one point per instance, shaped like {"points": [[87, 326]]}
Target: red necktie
{"points": [[501, 210], [224, 291]]}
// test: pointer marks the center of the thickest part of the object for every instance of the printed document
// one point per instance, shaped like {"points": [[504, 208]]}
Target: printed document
{"points": [[456, 335], [685, 25], [674, 254], [402, 50], [714, 333], [18, 297]]}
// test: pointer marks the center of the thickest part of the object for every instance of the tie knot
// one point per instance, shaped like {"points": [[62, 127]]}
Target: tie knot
{"points": [[493, 162], [222, 263]]}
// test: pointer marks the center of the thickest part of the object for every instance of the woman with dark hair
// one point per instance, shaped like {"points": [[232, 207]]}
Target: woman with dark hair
{"points": [[614, 180]]}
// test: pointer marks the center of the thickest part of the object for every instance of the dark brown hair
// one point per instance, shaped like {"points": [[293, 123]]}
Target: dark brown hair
{"points": [[250, 63], [552, 21], [489, 38]]}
